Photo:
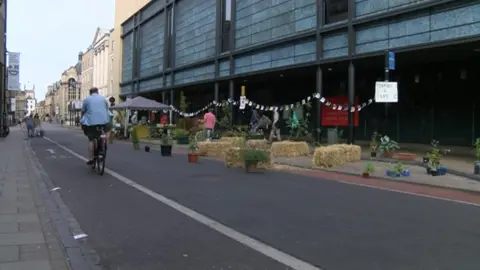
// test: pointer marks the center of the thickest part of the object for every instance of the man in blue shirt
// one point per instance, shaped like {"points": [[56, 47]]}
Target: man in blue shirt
{"points": [[95, 115]]}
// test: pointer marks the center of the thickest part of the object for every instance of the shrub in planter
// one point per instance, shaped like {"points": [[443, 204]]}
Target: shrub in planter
{"points": [[166, 145], [387, 146], [476, 167], [252, 157], [368, 170], [192, 152], [181, 135], [433, 159], [398, 170]]}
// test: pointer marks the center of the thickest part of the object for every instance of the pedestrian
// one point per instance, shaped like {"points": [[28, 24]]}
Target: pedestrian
{"points": [[29, 124], [209, 120], [275, 131], [265, 124]]}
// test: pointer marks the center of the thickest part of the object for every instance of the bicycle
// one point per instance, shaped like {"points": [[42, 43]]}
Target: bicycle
{"points": [[100, 151], [201, 136]]}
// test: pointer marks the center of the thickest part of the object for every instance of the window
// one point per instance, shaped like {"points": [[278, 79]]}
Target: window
{"points": [[336, 11], [226, 24], [169, 37]]}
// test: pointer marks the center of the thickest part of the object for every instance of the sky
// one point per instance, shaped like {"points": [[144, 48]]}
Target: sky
{"points": [[49, 35]]}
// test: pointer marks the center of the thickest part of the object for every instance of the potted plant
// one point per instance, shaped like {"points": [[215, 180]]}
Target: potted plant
{"points": [[476, 167], [397, 170], [387, 146], [181, 135], [192, 152], [166, 145], [373, 145], [368, 170], [252, 157], [433, 159]]}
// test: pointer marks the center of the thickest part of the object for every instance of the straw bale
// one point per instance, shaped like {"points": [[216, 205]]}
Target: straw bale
{"points": [[234, 159], [352, 152], [259, 144], [213, 149], [235, 141], [289, 149], [329, 157]]}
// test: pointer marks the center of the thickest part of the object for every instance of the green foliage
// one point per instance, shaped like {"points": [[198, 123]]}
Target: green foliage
{"points": [[236, 131], [397, 168], [180, 132], [253, 156], [302, 130], [477, 149], [225, 122], [192, 145], [134, 137], [374, 142], [369, 168], [387, 145], [434, 156]]}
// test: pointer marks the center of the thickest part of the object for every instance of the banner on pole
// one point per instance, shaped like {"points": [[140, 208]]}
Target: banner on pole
{"points": [[13, 78]]}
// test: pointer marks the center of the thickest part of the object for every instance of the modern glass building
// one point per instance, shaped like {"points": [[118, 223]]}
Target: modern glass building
{"points": [[285, 50]]}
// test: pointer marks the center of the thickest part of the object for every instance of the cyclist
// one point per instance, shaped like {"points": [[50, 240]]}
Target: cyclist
{"points": [[95, 115]]}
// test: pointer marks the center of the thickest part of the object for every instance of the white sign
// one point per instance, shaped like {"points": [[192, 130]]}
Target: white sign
{"points": [[386, 92], [243, 102], [13, 104], [13, 79]]}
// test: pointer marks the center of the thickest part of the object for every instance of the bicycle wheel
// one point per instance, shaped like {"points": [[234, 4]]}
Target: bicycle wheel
{"points": [[102, 152], [201, 136]]}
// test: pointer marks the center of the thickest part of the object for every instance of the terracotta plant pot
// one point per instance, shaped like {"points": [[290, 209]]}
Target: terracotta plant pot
{"points": [[388, 154], [406, 156], [192, 158], [365, 175]]}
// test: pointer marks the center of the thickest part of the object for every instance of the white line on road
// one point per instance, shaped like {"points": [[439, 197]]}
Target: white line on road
{"points": [[256, 245], [51, 151]]}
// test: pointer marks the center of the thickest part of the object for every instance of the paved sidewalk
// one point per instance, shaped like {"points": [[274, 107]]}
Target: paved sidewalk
{"points": [[29, 238]]}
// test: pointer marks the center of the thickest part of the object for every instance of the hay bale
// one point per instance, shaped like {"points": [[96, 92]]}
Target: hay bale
{"points": [[352, 152], [235, 141], [233, 158], [213, 149], [328, 157], [289, 149], [258, 144]]}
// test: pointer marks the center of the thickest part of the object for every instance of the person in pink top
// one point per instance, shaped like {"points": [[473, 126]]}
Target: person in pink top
{"points": [[209, 121]]}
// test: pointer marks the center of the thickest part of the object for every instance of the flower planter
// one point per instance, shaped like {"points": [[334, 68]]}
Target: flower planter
{"points": [[183, 140], [476, 168], [166, 150], [406, 156], [365, 175], [392, 174], [387, 154], [373, 154], [192, 158], [405, 173], [434, 173], [442, 171]]}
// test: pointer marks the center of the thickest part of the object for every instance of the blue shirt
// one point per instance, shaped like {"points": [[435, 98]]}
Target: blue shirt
{"points": [[95, 109]]}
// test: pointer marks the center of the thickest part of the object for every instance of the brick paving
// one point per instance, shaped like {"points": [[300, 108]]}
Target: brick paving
{"points": [[28, 240]]}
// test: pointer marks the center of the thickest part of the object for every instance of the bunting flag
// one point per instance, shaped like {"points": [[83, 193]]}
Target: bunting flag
{"points": [[286, 107]]}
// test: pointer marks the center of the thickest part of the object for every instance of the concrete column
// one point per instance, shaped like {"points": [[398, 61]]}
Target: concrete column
{"points": [[215, 96], [318, 117], [171, 103], [231, 92], [351, 102], [164, 99]]}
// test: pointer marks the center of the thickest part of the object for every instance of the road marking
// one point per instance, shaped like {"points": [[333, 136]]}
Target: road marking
{"points": [[256, 245], [51, 151]]}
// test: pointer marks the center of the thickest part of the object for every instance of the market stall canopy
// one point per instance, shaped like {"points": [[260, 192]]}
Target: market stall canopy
{"points": [[141, 103]]}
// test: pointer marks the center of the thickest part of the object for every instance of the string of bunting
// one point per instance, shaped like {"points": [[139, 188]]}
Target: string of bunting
{"points": [[261, 107]]}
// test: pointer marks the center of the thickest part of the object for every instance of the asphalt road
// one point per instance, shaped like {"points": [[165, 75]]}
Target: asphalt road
{"points": [[330, 225]]}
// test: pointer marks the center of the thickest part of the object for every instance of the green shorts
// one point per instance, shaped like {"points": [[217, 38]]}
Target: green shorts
{"points": [[93, 132]]}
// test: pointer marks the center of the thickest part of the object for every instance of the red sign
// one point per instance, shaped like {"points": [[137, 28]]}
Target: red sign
{"points": [[335, 117]]}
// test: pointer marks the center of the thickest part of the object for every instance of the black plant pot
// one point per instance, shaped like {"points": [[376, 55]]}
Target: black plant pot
{"points": [[476, 168], [425, 160], [429, 171], [434, 173], [373, 154], [147, 148], [166, 150]]}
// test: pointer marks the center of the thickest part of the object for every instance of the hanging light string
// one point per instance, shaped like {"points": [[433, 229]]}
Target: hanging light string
{"points": [[257, 106]]}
